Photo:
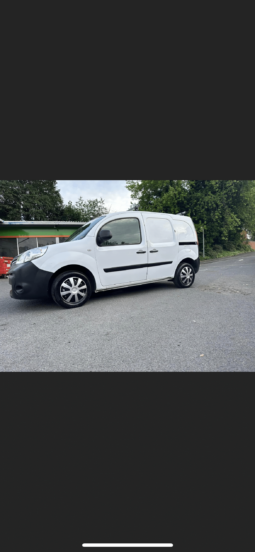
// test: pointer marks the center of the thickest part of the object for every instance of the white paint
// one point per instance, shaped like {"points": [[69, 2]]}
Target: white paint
{"points": [[122, 255], [184, 229], [158, 228]]}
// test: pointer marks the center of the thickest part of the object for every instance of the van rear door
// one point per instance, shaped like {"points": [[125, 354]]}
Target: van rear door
{"points": [[186, 234], [162, 246]]}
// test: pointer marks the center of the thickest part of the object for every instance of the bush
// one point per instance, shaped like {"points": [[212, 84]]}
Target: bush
{"points": [[211, 253], [218, 248], [230, 246]]}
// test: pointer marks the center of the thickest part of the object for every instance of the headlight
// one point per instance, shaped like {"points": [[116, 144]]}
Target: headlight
{"points": [[31, 255]]}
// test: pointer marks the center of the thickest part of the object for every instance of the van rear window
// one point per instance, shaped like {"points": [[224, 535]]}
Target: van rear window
{"points": [[185, 232]]}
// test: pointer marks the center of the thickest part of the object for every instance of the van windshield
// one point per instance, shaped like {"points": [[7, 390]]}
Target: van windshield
{"points": [[84, 230]]}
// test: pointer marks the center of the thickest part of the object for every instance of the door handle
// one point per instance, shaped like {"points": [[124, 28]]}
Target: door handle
{"points": [[154, 251], [141, 252]]}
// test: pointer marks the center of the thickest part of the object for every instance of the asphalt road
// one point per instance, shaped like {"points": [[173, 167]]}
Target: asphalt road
{"points": [[155, 327]]}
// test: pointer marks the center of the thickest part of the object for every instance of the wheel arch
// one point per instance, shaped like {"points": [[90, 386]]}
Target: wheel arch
{"points": [[79, 268], [187, 260]]}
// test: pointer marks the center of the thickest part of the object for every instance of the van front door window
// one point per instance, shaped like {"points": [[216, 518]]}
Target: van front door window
{"points": [[124, 232]]}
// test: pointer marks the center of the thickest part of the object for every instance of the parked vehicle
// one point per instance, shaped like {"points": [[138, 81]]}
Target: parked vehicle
{"points": [[5, 264], [113, 251]]}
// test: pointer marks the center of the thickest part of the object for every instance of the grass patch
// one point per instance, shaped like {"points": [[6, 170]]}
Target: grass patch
{"points": [[222, 254]]}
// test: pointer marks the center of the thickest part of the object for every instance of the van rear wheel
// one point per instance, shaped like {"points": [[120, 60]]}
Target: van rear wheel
{"points": [[71, 290], [185, 276]]}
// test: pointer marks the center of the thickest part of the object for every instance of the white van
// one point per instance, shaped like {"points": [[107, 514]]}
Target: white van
{"points": [[112, 251]]}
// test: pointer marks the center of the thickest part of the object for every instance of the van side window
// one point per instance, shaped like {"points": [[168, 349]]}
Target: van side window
{"points": [[124, 232], [159, 230]]}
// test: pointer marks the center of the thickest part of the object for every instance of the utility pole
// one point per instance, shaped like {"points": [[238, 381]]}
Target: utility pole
{"points": [[203, 241]]}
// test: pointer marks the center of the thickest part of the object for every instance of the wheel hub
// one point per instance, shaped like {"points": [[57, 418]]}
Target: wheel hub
{"points": [[187, 276], [73, 290]]}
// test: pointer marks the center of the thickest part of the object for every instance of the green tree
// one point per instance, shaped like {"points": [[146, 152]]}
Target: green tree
{"points": [[83, 211], [90, 209], [30, 200], [224, 208], [244, 204], [10, 203], [166, 196], [41, 200], [70, 213], [209, 203]]}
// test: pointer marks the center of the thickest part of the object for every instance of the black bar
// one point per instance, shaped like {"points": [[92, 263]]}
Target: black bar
{"points": [[188, 243], [134, 267]]}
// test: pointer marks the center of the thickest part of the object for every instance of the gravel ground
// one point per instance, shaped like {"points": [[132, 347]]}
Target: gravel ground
{"points": [[155, 327]]}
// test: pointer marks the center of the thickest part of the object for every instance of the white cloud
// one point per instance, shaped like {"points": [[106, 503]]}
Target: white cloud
{"points": [[114, 192]]}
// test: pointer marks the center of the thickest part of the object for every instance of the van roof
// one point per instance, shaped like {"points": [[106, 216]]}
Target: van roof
{"points": [[177, 217]]}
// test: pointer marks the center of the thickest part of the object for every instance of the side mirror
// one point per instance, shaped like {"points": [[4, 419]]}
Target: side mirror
{"points": [[104, 235]]}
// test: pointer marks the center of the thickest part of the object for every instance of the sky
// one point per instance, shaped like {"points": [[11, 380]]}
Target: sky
{"points": [[114, 192]]}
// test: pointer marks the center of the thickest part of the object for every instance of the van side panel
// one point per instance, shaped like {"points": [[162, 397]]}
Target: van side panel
{"points": [[187, 239], [73, 253], [162, 245]]}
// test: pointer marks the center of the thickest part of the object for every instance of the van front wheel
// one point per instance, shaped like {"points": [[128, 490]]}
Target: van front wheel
{"points": [[185, 276], [71, 290]]}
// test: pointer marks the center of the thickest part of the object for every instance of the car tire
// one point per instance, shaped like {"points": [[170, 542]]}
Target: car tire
{"points": [[71, 289], [185, 276]]}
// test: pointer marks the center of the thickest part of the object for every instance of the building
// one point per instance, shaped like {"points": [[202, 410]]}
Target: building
{"points": [[19, 236], [250, 242]]}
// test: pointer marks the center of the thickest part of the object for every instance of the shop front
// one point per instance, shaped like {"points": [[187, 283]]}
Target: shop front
{"points": [[18, 237]]}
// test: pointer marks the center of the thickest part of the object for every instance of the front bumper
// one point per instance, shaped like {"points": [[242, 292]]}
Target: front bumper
{"points": [[29, 282]]}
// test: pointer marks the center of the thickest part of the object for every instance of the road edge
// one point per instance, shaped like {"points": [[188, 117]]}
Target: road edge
{"points": [[250, 253]]}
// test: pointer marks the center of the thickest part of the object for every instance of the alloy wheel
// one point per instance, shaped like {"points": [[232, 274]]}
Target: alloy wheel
{"points": [[186, 276], [73, 290]]}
